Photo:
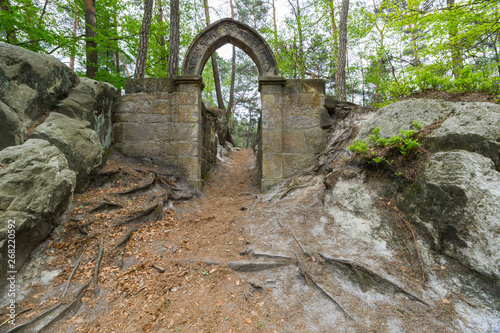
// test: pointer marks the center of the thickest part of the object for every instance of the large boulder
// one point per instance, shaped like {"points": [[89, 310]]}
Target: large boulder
{"points": [[79, 143], [471, 126], [36, 185], [11, 127], [92, 101], [456, 205], [30, 84]]}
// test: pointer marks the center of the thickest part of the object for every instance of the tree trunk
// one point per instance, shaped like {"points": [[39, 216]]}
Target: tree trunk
{"points": [[10, 32], [456, 61], [215, 67], [90, 43], [173, 53], [342, 55], [73, 50], [249, 128], [117, 45], [334, 30], [162, 57], [275, 31], [140, 67]]}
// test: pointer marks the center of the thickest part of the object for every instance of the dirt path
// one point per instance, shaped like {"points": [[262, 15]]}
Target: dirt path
{"points": [[232, 260]]}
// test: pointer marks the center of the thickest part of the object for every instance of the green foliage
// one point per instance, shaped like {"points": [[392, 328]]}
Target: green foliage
{"points": [[406, 143]]}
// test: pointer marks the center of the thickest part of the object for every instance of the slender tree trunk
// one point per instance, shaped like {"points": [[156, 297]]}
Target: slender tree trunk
{"points": [[334, 30], [249, 128], [75, 28], [215, 67], [126, 69], [162, 57], [117, 45], [173, 53], [342, 55], [90, 43], [140, 67], [415, 46], [275, 31], [11, 34], [456, 61]]}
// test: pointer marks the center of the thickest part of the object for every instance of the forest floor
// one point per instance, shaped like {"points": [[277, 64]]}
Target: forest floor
{"points": [[230, 260]]}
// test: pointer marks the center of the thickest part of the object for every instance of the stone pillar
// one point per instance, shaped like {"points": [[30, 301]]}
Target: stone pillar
{"points": [[303, 113], [189, 131], [271, 146]]}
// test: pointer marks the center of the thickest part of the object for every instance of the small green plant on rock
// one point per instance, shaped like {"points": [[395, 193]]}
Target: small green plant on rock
{"points": [[375, 148]]}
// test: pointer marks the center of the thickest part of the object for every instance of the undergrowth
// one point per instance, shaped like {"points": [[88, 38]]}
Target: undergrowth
{"points": [[400, 155]]}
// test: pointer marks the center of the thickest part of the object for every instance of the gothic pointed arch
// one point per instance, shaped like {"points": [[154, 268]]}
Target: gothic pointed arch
{"points": [[229, 31]]}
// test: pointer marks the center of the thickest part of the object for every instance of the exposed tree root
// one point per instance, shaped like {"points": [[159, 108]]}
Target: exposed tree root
{"points": [[357, 266], [300, 245], [41, 322], [140, 214], [105, 205], [146, 184], [126, 237], [309, 279], [98, 264], [288, 190], [269, 255], [72, 274]]}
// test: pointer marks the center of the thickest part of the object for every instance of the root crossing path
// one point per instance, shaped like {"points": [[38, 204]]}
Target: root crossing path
{"points": [[232, 260]]}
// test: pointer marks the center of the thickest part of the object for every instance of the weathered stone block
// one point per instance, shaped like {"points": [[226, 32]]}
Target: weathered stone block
{"points": [[294, 86], [272, 166], [151, 149], [159, 106], [165, 85], [295, 163], [185, 98], [132, 132], [126, 107], [309, 100], [271, 101], [125, 118], [188, 131], [303, 121], [182, 149], [316, 139], [189, 113], [191, 166], [294, 142], [165, 131], [272, 141], [272, 118]]}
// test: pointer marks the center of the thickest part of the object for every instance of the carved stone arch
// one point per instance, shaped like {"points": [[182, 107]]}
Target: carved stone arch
{"points": [[229, 31]]}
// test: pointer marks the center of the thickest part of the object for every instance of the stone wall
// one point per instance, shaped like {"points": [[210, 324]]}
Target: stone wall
{"points": [[293, 114], [165, 120]]}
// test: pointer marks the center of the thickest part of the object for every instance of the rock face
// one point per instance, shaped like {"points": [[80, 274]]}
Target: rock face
{"points": [[456, 204], [79, 143], [30, 84], [471, 126], [456, 201], [92, 101], [36, 185]]}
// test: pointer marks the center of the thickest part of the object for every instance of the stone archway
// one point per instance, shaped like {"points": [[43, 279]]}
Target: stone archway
{"points": [[165, 119], [229, 31]]}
